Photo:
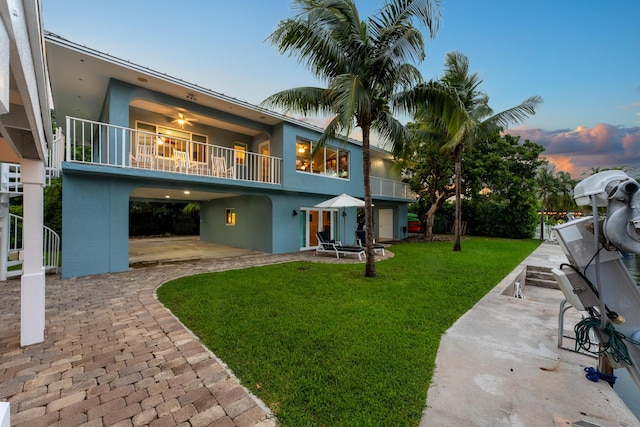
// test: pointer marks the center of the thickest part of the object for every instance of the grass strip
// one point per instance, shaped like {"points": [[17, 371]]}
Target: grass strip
{"points": [[322, 345]]}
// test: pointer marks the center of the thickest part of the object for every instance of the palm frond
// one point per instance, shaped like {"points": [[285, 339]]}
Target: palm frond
{"points": [[401, 12], [302, 100], [516, 114], [390, 130]]}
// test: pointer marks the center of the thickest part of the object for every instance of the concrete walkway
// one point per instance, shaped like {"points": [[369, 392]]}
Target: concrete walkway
{"points": [[499, 365]]}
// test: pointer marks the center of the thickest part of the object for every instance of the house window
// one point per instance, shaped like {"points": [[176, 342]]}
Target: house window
{"points": [[329, 161], [241, 152], [303, 154], [343, 164], [230, 216]]}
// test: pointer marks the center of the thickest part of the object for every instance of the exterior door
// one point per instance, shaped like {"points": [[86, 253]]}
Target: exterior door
{"points": [[317, 220], [385, 224], [264, 171]]}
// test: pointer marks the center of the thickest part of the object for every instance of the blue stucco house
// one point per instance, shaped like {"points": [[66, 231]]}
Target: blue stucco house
{"points": [[136, 134]]}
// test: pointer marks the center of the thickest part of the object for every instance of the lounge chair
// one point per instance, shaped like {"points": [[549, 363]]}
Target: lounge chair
{"points": [[361, 240], [325, 245]]}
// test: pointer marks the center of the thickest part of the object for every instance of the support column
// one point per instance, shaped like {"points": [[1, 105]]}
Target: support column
{"points": [[32, 308]]}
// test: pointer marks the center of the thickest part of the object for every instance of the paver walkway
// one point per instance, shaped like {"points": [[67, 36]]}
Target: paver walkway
{"points": [[113, 355]]}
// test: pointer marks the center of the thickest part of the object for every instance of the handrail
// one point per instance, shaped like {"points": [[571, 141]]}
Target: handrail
{"points": [[105, 144], [51, 242], [10, 181], [54, 156]]}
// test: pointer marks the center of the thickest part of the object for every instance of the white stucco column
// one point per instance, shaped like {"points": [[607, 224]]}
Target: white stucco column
{"points": [[32, 299]]}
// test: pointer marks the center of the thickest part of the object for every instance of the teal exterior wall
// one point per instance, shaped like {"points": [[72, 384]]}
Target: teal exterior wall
{"points": [[95, 224], [252, 229]]}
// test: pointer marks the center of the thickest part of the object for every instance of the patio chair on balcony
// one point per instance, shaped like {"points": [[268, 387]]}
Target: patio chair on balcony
{"points": [[361, 240], [219, 168], [180, 160], [144, 157]]}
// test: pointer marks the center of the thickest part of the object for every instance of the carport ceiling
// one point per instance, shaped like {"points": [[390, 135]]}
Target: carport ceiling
{"points": [[166, 195]]}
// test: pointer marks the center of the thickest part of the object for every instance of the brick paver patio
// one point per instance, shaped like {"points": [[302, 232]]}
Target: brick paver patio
{"points": [[113, 355]]}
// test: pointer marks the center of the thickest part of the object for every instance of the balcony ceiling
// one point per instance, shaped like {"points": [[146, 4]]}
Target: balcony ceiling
{"points": [[80, 76]]}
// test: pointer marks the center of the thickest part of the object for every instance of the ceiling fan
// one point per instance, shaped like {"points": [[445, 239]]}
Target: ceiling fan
{"points": [[182, 120]]}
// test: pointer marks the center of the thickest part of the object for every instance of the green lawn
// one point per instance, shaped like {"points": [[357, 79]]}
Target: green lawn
{"points": [[321, 345]]}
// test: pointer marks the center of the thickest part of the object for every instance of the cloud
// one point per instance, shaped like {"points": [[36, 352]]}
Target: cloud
{"points": [[577, 151]]}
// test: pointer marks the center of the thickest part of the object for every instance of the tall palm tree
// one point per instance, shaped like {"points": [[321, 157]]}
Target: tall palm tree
{"points": [[565, 188], [547, 187], [365, 64], [467, 117]]}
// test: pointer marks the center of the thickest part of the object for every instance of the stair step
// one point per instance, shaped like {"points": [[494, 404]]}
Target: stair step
{"points": [[543, 283], [540, 275], [14, 273], [538, 268]]}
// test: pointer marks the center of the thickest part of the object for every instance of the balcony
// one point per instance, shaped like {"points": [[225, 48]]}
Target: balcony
{"points": [[103, 144], [389, 188]]}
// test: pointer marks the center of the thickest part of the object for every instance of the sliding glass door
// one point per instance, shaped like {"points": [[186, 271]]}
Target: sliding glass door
{"points": [[313, 220]]}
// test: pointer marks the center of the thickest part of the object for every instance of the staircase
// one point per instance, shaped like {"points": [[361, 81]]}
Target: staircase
{"points": [[540, 276], [11, 241]]}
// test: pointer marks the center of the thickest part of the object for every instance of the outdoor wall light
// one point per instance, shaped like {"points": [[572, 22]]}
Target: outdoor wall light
{"points": [[294, 213]]}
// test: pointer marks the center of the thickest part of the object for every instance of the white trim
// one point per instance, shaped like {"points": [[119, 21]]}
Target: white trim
{"points": [[5, 414]]}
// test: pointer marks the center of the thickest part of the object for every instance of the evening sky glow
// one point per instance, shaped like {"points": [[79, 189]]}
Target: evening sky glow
{"points": [[581, 56]]}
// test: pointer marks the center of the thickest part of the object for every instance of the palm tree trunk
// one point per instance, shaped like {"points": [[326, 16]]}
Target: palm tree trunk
{"points": [[457, 223], [370, 269]]}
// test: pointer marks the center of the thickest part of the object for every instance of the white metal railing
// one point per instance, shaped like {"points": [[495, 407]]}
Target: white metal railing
{"points": [[10, 182], [54, 156], [51, 243], [10, 177], [390, 188], [100, 143]]}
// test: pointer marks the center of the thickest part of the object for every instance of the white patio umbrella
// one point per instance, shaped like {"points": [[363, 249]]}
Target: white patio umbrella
{"points": [[342, 201]]}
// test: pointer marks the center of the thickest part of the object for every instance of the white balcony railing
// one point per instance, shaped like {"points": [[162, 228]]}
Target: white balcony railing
{"points": [[104, 144], [390, 188]]}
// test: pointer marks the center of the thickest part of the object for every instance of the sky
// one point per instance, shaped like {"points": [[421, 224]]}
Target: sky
{"points": [[581, 56]]}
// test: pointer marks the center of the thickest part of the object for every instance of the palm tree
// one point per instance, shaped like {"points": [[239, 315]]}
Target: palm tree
{"points": [[565, 188], [467, 117], [365, 64], [547, 187]]}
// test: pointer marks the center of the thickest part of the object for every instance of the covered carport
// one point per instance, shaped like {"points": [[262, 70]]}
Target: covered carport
{"points": [[145, 251]]}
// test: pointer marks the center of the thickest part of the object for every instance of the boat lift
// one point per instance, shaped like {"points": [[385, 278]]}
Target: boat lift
{"points": [[596, 281]]}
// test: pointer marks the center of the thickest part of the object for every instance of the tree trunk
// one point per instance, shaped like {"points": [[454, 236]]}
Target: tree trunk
{"points": [[428, 222], [431, 214], [457, 159], [370, 269]]}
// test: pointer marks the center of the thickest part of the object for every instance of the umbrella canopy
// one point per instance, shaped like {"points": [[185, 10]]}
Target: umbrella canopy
{"points": [[341, 201]]}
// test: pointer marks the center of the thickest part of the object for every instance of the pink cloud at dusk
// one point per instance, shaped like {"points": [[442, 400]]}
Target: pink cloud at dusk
{"points": [[577, 151]]}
